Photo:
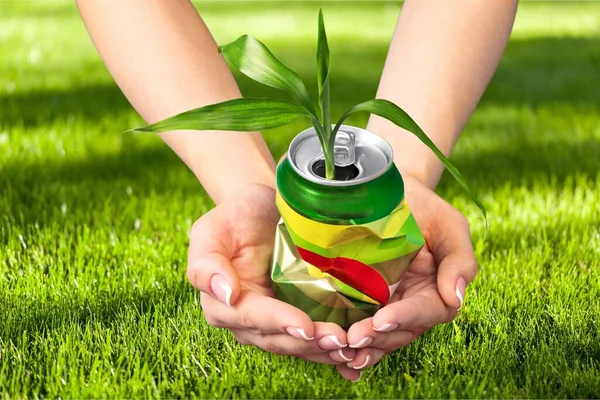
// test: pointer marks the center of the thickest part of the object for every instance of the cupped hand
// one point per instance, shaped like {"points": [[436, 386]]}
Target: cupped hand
{"points": [[229, 256], [431, 291]]}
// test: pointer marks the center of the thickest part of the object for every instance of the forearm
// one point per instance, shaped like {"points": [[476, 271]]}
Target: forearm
{"points": [[165, 61], [443, 55]]}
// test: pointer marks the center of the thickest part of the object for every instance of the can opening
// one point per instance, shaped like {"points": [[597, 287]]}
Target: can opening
{"points": [[346, 173]]}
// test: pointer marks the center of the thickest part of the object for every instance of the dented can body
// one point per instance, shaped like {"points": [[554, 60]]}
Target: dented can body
{"points": [[342, 245]]}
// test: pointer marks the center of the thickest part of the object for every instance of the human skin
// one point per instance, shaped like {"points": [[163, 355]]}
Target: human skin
{"points": [[441, 58]]}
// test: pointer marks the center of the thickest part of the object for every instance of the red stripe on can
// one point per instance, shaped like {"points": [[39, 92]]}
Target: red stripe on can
{"points": [[352, 272]]}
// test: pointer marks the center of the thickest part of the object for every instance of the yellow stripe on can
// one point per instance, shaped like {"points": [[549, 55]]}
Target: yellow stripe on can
{"points": [[327, 235]]}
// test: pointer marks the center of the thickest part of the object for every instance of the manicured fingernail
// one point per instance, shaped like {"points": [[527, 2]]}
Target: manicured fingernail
{"points": [[298, 333], [221, 289], [386, 328], [345, 357], [367, 360], [460, 291], [358, 379], [330, 342], [363, 342]]}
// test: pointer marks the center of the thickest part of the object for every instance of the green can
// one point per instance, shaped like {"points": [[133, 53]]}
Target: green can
{"points": [[342, 245]]}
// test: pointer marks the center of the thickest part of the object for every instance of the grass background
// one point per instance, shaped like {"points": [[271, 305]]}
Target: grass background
{"points": [[93, 223]]}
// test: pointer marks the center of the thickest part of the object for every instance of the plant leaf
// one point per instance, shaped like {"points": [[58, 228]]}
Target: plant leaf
{"points": [[244, 115], [324, 101], [323, 75], [395, 114], [254, 60]]}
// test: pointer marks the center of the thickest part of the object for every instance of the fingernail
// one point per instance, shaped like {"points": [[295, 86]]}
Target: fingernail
{"points": [[386, 328], [460, 291], [363, 342], [221, 288], [330, 342], [298, 333], [359, 376], [367, 360], [345, 357]]}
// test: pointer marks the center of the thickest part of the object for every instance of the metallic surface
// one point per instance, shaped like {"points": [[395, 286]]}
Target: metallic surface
{"points": [[342, 274], [341, 205], [344, 148], [373, 155], [341, 249]]}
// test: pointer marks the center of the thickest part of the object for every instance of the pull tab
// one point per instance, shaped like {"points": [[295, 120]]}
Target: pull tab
{"points": [[343, 149]]}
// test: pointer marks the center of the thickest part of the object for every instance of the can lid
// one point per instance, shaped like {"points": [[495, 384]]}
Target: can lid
{"points": [[344, 149], [368, 152]]}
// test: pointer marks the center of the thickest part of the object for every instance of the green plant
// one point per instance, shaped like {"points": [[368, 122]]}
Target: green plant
{"points": [[253, 59]]}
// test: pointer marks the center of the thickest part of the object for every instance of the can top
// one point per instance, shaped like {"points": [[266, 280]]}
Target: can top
{"points": [[368, 152]]}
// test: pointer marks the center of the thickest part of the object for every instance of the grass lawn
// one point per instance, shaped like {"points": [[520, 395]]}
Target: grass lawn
{"points": [[93, 223]]}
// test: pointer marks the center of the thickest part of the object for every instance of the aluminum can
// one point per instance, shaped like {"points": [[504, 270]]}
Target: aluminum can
{"points": [[342, 245]]}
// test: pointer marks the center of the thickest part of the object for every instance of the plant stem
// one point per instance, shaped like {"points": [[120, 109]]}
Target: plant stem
{"points": [[329, 160], [328, 148], [327, 145]]}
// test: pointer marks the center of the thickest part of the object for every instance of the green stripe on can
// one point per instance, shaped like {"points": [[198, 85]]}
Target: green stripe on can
{"points": [[287, 291], [370, 250], [342, 205], [413, 233]]}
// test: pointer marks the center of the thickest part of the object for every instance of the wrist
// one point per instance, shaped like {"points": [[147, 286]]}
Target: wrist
{"points": [[229, 183], [224, 162], [415, 160], [422, 169], [411, 156]]}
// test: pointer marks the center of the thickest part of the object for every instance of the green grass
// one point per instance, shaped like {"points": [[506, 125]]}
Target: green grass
{"points": [[93, 223]]}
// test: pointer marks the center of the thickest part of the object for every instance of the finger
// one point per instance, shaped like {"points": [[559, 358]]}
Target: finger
{"points": [[348, 373], [343, 355], [365, 358], [281, 344], [209, 268], [213, 274], [454, 253], [394, 340], [413, 313], [330, 336], [321, 359], [361, 333], [259, 314], [399, 329]]}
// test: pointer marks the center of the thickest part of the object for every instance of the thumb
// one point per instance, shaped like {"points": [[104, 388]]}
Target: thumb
{"points": [[213, 274], [454, 274], [457, 263]]}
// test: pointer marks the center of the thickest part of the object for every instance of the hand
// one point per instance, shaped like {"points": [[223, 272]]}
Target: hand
{"points": [[431, 291], [229, 256]]}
